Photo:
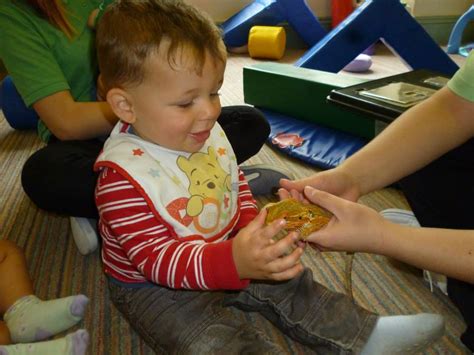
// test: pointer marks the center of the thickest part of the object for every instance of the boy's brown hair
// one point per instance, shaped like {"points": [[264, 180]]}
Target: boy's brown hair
{"points": [[131, 30]]}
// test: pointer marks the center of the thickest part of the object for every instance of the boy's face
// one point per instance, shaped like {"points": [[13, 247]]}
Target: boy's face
{"points": [[175, 107]]}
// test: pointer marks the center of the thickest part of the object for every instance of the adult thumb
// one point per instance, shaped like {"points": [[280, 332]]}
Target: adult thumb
{"points": [[324, 199], [297, 185]]}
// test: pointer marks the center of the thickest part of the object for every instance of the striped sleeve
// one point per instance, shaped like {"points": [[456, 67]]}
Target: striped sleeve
{"points": [[248, 205], [138, 246]]}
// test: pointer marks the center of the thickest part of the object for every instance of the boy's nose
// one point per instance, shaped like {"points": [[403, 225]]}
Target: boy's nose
{"points": [[210, 110]]}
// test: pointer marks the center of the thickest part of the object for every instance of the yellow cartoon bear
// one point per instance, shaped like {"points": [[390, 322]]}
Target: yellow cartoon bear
{"points": [[207, 179]]}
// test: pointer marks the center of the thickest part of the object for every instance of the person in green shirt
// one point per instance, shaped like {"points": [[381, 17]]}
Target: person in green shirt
{"points": [[430, 151], [48, 48]]}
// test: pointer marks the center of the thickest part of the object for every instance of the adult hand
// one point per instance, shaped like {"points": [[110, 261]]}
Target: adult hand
{"points": [[335, 181], [354, 227], [258, 256]]}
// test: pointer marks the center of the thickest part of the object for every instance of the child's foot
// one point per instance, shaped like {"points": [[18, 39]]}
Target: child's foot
{"points": [[84, 232], [31, 319], [404, 334], [72, 344]]}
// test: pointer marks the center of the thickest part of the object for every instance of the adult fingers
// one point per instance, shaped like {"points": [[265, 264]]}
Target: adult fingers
{"points": [[332, 203], [295, 184], [283, 194]]}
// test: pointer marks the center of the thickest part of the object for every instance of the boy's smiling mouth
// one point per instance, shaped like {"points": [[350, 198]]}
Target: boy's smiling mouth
{"points": [[201, 136]]}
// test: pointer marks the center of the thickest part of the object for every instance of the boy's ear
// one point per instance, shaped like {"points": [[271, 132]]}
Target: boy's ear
{"points": [[122, 105]]}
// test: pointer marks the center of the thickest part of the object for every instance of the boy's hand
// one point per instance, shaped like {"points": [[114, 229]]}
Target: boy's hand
{"points": [[257, 256]]}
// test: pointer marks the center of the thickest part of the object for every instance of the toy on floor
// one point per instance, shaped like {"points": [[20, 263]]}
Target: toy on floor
{"points": [[454, 43], [267, 42], [340, 10], [360, 64], [271, 13], [389, 21]]}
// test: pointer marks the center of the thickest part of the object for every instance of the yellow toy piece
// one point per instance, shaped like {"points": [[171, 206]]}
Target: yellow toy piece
{"points": [[267, 42]]}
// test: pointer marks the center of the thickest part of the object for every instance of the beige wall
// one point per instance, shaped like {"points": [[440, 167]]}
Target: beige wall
{"points": [[220, 10], [440, 7]]}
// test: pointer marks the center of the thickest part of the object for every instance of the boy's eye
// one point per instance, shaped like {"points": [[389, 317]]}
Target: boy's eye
{"points": [[214, 94], [185, 104]]}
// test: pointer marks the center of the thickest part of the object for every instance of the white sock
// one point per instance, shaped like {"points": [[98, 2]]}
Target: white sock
{"points": [[30, 319], [403, 334], [72, 344]]}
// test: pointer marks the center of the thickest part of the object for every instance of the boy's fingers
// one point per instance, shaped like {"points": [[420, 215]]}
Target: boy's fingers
{"points": [[288, 273], [273, 228], [285, 262], [259, 221], [281, 247]]}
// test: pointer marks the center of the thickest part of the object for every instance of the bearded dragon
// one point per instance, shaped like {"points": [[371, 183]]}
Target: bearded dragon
{"points": [[306, 219]]}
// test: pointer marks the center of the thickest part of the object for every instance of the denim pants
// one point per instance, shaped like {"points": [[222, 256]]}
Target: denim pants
{"points": [[302, 316], [441, 196]]}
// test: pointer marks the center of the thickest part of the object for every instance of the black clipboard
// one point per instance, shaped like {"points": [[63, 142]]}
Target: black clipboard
{"points": [[369, 97]]}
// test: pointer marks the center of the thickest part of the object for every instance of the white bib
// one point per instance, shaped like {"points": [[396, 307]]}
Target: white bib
{"points": [[196, 194]]}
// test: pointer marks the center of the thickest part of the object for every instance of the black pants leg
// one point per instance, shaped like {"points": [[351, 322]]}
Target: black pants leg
{"points": [[60, 178], [246, 129], [441, 196]]}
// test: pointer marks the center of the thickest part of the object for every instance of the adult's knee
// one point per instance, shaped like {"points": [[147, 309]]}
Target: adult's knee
{"points": [[34, 178]]}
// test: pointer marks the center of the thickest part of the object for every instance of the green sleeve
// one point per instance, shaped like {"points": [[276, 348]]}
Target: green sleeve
{"points": [[462, 82], [28, 58]]}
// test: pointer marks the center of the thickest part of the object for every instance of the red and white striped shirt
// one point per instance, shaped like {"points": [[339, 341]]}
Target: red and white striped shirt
{"points": [[138, 246]]}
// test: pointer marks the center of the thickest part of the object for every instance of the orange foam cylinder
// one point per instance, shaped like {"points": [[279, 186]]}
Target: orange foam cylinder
{"points": [[267, 42]]}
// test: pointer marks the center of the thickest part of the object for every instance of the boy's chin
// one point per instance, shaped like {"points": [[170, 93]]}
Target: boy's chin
{"points": [[194, 148]]}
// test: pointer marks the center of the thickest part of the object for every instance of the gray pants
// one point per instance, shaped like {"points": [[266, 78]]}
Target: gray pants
{"points": [[297, 316]]}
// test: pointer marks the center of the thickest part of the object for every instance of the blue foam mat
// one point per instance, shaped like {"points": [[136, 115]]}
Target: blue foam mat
{"points": [[314, 144], [14, 109]]}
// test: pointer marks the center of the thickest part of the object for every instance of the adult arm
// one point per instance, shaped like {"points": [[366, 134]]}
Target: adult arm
{"points": [[68, 111], [361, 229], [71, 120], [417, 137]]}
